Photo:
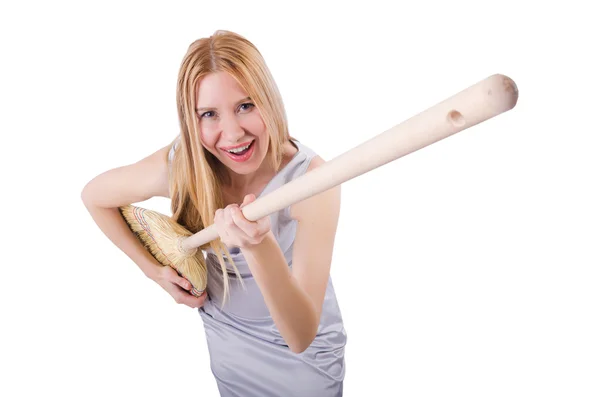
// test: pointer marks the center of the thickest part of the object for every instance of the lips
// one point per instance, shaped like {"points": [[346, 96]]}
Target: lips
{"points": [[240, 158], [236, 146]]}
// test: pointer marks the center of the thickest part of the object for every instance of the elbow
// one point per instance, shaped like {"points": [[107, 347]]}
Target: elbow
{"points": [[299, 348], [85, 195], [303, 342], [300, 336], [89, 193]]}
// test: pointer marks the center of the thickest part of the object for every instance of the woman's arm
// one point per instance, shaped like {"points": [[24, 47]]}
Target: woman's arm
{"points": [[295, 299], [104, 194], [121, 186]]}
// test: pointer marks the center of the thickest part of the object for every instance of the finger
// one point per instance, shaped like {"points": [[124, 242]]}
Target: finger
{"points": [[230, 233], [221, 225], [233, 225], [199, 300], [219, 216], [264, 225], [228, 215], [260, 227], [183, 298], [183, 283], [250, 229], [175, 277], [248, 199]]}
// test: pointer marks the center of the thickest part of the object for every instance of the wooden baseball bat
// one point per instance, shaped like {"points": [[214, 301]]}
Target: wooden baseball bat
{"points": [[477, 103]]}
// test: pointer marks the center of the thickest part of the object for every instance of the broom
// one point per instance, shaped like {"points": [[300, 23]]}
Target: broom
{"points": [[172, 245]]}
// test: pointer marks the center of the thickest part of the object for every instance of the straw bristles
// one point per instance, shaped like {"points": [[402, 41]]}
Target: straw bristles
{"points": [[161, 236]]}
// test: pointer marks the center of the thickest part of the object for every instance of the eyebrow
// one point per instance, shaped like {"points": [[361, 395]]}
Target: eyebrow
{"points": [[238, 102]]}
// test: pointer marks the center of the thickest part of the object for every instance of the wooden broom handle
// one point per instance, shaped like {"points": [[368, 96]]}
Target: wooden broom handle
{"points": [[479, 102]]}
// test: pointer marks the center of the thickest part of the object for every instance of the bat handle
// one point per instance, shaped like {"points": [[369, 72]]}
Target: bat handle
{"points": [[475, 104]]}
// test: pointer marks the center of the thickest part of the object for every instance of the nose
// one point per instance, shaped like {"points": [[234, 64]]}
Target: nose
{"points": [[232, 130]]}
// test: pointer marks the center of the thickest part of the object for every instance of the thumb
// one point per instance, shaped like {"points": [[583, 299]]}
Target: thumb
{"points": [[248, 199], [183, 283]]}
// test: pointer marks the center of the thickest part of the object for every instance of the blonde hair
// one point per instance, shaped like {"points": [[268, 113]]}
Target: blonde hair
{"points": [[197, 176]]}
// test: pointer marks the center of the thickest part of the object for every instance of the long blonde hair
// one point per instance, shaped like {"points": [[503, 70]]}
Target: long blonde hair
{"points": [[197, 176]]}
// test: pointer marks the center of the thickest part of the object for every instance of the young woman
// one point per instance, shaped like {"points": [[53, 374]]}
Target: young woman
{"points": [[270, 313]]}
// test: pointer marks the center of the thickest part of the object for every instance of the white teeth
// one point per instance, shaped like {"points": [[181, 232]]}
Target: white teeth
{"points": [[240, 149]]}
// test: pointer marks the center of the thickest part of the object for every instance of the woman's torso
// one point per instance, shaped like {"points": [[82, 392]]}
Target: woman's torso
{"points": [[246, 320]]}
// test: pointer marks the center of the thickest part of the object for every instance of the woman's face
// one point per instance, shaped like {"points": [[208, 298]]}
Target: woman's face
{"points": [[229, 122]]}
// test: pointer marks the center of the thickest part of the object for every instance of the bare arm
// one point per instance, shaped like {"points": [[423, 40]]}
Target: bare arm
{"points": [[295, 299], [133, 183], [121, 186]]}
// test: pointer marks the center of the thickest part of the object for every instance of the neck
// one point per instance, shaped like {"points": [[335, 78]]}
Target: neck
{"points": [[243, 183]]}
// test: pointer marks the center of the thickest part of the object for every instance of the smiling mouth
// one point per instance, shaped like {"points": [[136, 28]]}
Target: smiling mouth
{"points": [[241, 150]]}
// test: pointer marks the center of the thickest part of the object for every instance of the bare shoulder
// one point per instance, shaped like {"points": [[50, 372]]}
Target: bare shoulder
{"points": [[315, 162], [322, 205]]}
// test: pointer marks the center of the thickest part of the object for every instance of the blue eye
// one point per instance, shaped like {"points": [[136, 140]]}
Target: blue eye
{"points": [[210, 113]]}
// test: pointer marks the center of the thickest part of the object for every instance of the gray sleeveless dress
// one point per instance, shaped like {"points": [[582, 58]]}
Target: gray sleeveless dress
{"points": [[248, 356]]}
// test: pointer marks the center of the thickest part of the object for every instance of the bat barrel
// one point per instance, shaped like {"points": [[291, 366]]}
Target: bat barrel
{"points": [[475, 104]]}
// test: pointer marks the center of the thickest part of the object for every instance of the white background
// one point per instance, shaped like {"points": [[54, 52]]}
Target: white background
{"points": [[468, 268]]}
